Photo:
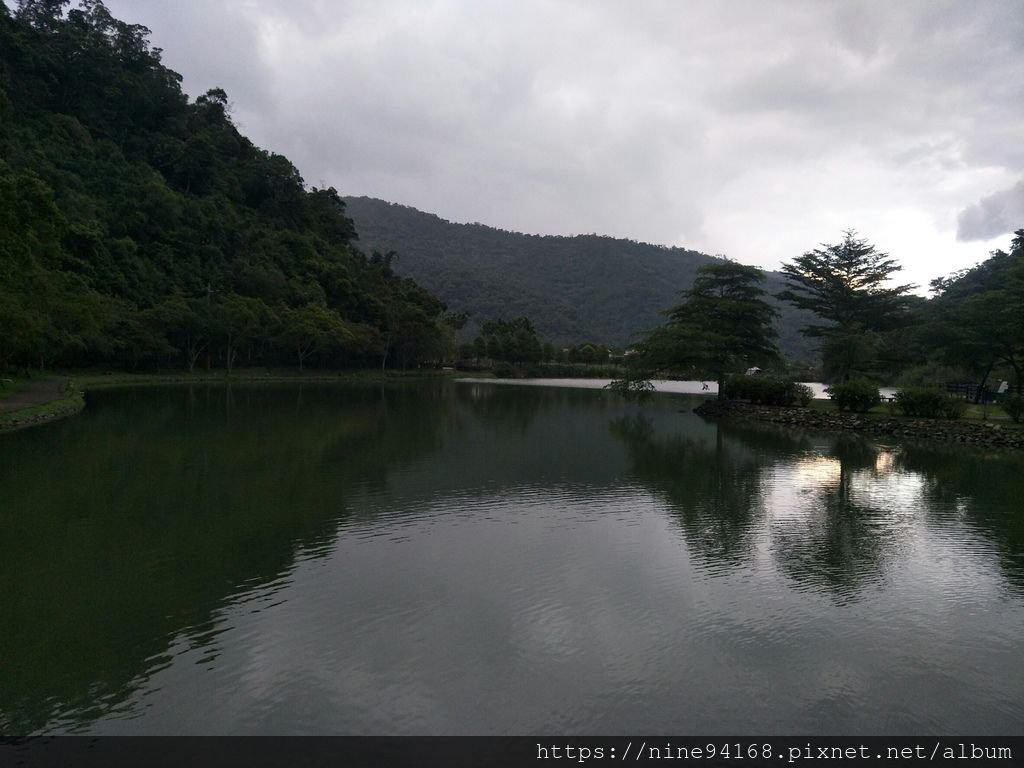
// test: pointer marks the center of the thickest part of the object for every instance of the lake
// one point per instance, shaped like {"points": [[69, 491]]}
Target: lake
{"points": [[439, 557]]}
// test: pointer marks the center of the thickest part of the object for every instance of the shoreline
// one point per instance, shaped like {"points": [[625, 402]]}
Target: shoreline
{"points": [[982, 434], [69, 404], [70, 400], [40, 408]]}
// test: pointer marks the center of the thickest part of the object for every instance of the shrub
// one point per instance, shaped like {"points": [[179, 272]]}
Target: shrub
{"points": [[504, 371], [1014, 406], [928, 403], [953, 408], [856, 395], [767, 390], [804, 394]]}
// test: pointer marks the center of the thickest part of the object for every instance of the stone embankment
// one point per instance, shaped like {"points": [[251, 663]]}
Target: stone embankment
{"points": [[979, 433]]}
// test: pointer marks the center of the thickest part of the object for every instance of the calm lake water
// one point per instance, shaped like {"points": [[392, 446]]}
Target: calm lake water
{"points": [[467, 558]]}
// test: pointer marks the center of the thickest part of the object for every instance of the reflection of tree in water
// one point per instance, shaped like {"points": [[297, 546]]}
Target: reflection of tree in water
{"points": [[715, 487], [982, 489], [839, 531], [514, 407], [818, 504], [865, 500], [160, 507]]}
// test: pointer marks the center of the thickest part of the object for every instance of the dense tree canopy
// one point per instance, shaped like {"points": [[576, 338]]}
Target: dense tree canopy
{"points": [[139, 229], [723, 326], [969, 334], [975, 323], [846, 285], [510, 341]]}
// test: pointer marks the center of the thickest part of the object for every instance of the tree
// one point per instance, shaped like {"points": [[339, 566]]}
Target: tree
{"points": [[42, 14], [589, 353], [312, 328], [847, 286], [511, 341], [412, 321], [978, 317], [184, 323], [723, 326], [235, 320]]}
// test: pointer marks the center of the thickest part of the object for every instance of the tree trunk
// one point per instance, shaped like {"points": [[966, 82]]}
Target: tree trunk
{"points": [[984, 379], [387, 350], [192, 352]]}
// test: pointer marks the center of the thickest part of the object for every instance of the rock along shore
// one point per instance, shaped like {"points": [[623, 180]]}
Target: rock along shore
{"points": [[987, 434]]}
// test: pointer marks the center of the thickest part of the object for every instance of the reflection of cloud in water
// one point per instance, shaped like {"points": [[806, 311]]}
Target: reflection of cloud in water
{"points": [[816, 472], [835, 527], [883, 486]]}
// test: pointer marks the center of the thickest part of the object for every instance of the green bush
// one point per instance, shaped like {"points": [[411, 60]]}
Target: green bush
{"points": [[929, 403], [767, 390], [504, 371], [1014, 407], [856, 395], [922, 402], [953, 408], [804, 394]]}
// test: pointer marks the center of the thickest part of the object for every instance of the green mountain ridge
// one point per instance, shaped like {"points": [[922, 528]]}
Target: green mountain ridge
{"points": [[574, 288]]}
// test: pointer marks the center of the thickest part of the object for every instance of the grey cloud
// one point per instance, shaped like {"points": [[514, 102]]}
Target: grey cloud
{"points": [[213, 45], [992, 216], [563, 116], [883, 72]]}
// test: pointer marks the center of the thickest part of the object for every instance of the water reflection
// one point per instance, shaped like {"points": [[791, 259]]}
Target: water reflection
{"points": [[978, 489], [841, 517], [515, 410], [462, 558], [835, 513], [159, 506], [897, 540], [714, 487]]}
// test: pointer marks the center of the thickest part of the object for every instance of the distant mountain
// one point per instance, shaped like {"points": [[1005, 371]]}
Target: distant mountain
{"points": [[574, 289]]}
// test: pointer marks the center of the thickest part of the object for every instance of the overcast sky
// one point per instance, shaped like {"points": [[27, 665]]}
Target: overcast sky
{"points": [[754, 129]]}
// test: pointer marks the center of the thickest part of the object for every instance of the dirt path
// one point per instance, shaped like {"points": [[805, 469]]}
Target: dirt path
{"points": [[36, 392]]}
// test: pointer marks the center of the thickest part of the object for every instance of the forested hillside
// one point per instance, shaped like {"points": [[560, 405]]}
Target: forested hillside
{"points": [[574, 289], [139, 228]]}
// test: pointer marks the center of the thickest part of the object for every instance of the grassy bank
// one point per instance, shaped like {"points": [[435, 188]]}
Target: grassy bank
{"points": [[69, 398], [71, 403], [972, 412], [88, 380]]}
